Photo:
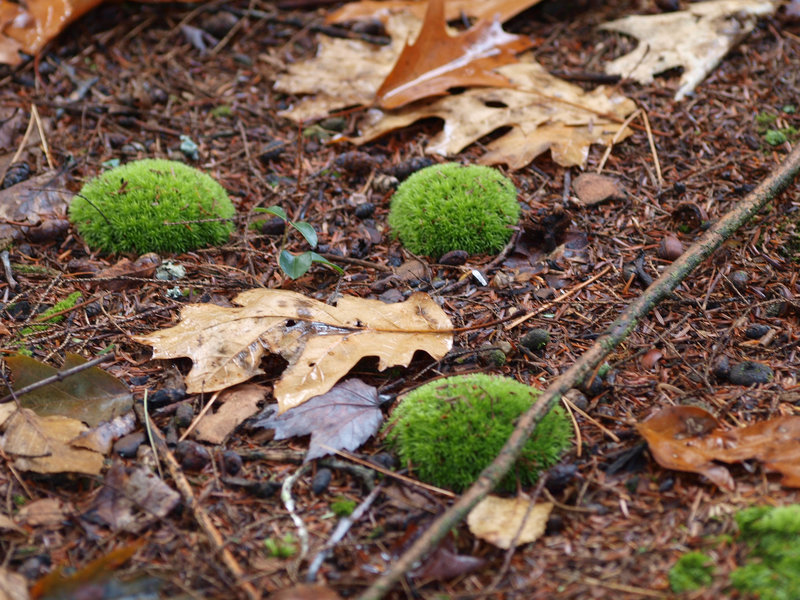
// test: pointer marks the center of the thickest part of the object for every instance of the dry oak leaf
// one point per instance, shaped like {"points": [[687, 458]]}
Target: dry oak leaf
{"points": [[688, 438], [438, 61], [502, 10], [343, 72], [543, 112], [695, 39], [320, 342]]}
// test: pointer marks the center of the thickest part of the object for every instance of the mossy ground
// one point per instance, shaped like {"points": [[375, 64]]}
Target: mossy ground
{"points": [[772, 568], [452, 207], [692, 571], [127, 209], [450, 430]]}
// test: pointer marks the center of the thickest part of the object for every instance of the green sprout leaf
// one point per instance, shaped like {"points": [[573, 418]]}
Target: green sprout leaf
{"points": [[307, 231], [321, 259], [275, 211], [294, 266]]}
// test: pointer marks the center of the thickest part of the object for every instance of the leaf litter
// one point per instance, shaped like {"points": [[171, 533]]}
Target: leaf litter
{"points": [[689, 438], [320, 342], [695, 39], [710, 162], [92, 395], [542, 111]]}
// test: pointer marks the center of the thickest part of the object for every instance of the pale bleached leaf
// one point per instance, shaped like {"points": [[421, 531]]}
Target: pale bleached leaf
{"points": [[695, 39]]}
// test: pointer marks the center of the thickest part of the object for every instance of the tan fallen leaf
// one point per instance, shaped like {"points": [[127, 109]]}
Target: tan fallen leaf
{"points": [[695, 39], [131, 499], [46, 511], [8, 524], [542, 111], [13, 586], [343, 72], [235, 405], [42, 444], [502, 10], [503, 521], [320, 342]]}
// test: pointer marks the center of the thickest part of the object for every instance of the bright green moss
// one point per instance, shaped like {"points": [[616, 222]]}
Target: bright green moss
{"points": [[125, 209], [772, 570], [692, 571], [450, 207], [451, 429], [343, 507], [62, 305]]}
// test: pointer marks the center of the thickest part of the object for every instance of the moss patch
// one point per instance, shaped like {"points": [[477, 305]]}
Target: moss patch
{"points": [[772, 571], [451, 429], [450, 207], [125, 209], [692, 571], [46, 317]]}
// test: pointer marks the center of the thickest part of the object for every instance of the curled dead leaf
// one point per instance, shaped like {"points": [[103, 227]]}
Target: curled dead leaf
{"points": [[688, 438]]}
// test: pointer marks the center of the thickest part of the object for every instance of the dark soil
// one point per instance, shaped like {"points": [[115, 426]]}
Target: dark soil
{"points": [[124, 83]]}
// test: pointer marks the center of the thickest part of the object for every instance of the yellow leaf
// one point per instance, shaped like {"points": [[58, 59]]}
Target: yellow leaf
{"points": [[503, 521]]}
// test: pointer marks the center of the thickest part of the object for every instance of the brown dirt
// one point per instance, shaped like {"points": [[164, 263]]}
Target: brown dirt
{"points": [[622, 520]]}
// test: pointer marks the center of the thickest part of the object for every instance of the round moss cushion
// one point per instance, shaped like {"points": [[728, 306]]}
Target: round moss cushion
{"points": [[452, 207], [449, 430], [127, 209]]}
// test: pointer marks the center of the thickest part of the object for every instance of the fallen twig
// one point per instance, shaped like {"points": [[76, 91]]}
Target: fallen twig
{"points": [[583, 367], [338, 534], [59, 376]]}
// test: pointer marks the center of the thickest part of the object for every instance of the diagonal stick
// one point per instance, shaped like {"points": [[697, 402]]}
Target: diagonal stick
{"points": [[672, 276]]}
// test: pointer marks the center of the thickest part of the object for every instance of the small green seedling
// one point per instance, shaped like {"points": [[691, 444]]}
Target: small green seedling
{"points": [[297, 265], [45, 319], [343, 507], [449, 430], [765, 119], [692, 571], [281, 548], [152, 205], [453, 207]]}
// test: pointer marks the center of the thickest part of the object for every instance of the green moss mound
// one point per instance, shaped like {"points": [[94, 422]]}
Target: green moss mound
{"points": [[692, 571], [451, 429], [450, 207], [124, 209], [772, 571]]}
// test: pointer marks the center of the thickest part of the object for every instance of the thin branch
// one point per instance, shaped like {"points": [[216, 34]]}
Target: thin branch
{"points": [[60, 376], [778, 181]]}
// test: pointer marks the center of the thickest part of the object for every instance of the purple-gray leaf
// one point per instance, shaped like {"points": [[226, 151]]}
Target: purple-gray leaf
{"points": [[343, 418]]}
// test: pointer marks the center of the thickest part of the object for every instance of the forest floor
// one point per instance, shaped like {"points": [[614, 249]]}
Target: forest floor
{"points": [[124, 83]]}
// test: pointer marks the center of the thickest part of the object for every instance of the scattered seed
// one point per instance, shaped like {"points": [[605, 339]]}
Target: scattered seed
{"points": [[756, 331], [321, 481]]}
